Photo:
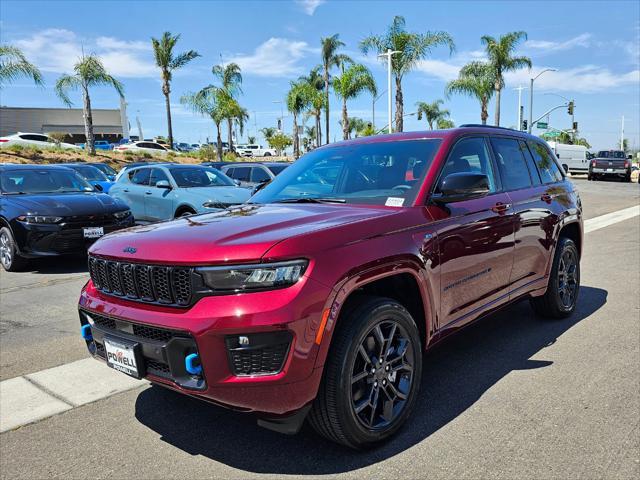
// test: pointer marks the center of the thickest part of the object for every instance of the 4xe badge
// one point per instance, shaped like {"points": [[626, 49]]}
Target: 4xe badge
{"points": [[131, 250]]}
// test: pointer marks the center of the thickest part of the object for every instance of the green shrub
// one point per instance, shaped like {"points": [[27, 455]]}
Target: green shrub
{"points": [[207, 153], [16, 148], [146, 155], [229, 157]]}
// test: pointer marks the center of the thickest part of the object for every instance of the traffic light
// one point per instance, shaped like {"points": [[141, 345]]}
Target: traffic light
{"points": [[575, 126], [525, 124], [570, 108]]}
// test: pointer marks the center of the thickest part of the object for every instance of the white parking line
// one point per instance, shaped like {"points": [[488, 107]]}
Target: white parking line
{"points": [[39, 395]]}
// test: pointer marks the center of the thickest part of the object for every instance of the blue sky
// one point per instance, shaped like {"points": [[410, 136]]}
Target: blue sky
{"points": [[593, 45]]}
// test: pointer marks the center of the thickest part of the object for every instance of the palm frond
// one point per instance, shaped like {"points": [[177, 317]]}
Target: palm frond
{"points": [[63, 85], [13, 65]]}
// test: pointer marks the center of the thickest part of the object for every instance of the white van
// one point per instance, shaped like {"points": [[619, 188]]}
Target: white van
{"points": [[573, 158]]}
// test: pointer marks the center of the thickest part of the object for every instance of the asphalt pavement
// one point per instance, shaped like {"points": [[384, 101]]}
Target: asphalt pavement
{"points": [[511, 397]]}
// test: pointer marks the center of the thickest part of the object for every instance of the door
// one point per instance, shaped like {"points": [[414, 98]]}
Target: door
{"points": [[158, 202], [135, 191], [531, 207], [475, 240]]}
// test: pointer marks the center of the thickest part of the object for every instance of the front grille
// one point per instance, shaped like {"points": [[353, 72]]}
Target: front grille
{"points": [[158, 368], [143, 283], [259, 361], [142, 331]]}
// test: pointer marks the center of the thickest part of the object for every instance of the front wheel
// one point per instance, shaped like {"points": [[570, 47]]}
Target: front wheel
{"points": [[372, 375], [561, 296], [9, 257]]}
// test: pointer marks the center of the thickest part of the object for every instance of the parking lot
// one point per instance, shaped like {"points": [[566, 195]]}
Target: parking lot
{"points": [[511, 397]]}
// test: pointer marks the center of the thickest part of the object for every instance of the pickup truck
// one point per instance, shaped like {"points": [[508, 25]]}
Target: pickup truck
{"points": [[254, 150], [99, 144], [610, 163]]}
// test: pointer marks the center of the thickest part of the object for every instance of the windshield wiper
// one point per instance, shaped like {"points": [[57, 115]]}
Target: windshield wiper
{"points": [[311, 200]]}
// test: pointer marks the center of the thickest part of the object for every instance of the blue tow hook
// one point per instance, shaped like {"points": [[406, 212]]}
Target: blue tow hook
{"points": [[192, 364], [85, 331]]}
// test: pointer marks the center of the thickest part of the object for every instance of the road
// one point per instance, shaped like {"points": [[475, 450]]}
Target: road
{"points": [[512, 397]]}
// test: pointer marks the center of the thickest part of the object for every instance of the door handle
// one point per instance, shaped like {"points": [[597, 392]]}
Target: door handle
{"points": [[148, 192], [500, 207], [125, 191]]}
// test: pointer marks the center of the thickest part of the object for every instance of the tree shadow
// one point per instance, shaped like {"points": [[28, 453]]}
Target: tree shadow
{"points": [[455, 376]]}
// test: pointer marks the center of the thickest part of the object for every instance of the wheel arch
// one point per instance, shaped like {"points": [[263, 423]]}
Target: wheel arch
{"points": [[182, 208]]}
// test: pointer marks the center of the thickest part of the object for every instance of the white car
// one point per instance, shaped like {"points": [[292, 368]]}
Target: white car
{"points": [[35, 139], [255, 150], [153, 148]]}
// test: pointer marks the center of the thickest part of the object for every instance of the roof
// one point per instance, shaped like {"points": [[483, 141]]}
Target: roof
{"points": [[30, 166]]}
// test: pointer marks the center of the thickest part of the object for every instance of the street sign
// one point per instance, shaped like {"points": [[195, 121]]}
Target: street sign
{"points": [[542, 124]]}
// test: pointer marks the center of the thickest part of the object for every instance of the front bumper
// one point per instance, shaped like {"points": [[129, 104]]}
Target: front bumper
{"points": [[43, 240], [212, 328]]}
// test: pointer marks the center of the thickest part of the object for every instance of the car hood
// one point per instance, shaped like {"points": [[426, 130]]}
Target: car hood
{"points": [[239, 234], [227, 194], [67, 204]]}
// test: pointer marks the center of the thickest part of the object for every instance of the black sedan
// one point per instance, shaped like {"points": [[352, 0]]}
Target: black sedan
{"points": [[50, 210]]}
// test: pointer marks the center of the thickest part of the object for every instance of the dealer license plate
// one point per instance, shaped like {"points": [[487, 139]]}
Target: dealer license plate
{"points": [[93, 232], [121, 356]]}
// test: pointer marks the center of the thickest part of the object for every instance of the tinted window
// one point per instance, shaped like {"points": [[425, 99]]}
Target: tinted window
{"points": [[191, 177], [511, 163], [470, 155], [548, 168], [104, 168], [533, 170], [277, 169], [141, 176], [156, 176], [241, 173], [90, 173], [48, 180], [259, 175], [385, 173], [37, 138]]}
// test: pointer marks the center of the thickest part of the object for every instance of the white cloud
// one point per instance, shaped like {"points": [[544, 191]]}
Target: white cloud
{"points": [[309, 6], [277, 57], [582, 79], [57, 50], [582, 40], [440, 69]]}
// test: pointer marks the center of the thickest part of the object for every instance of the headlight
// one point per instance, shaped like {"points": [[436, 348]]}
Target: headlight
{"points": [[122, 214], [214, 205], [253, 277], [39, 219]]}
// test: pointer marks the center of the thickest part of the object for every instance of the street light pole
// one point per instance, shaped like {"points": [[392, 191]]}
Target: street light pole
{"points": [[388, 54], [572, 102], [530, 126], [519, 89]]}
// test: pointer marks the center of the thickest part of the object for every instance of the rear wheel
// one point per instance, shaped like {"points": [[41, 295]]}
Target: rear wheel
{"points": [[371, 377], [266, 154], [9, 257], [561, 296]]}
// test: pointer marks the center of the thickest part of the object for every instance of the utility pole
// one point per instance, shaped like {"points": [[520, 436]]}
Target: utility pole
{"points": [[373, 110], [520, 106], [388, 54], [533, 79], [622, 134]]}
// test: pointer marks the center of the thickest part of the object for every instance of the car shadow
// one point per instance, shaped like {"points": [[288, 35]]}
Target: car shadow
{"points": [[58, 265], [455, 376]]}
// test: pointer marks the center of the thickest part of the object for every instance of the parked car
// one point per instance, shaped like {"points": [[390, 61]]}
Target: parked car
{"points": [[610, 163], [99, 145], [218, 165], [252, 174], [153, 148], [106, 169], [34, 139], [91, 174], [131, 165], [182, 147], [573, 158], [162, 192], [50, 210], [255, 150], [318, 298]]}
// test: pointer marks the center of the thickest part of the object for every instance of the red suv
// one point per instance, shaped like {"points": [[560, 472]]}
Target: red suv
{"points": [[318, 297]]}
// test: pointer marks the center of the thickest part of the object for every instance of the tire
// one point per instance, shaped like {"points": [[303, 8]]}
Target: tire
{"points": [[333, 414], [9, 258], [627, 179], [184, 212], [266, 154], [563, 288]]}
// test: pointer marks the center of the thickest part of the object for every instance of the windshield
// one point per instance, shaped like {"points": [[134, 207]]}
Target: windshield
{"points": [[92, 174], [42, 181], [611, 154], [382, 173], [191, 177], [104, 168]]}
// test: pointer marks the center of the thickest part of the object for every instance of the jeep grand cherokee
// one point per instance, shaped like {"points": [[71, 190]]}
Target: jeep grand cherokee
{"points": [[317, 299]]}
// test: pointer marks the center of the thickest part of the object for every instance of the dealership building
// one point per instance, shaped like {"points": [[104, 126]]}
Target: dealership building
{"points": [[108, 124]]}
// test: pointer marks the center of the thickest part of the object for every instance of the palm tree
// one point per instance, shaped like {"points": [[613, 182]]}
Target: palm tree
{"points": [[353, 81], [499, 53], [475, 80], [357, 126], [431, 112], [89, 72], [268, 132], [444, 123], [413, 47], [330, 58], [230, 78], [317, 99], [297, 102], [214, 103], [13, 65], [251, 139], [168, 62]]}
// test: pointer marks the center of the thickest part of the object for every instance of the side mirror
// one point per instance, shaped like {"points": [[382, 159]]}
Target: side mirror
{"points": [[457, 187], [565, 168], [163, 184], [630, 157], [98, 187], [237, 182]]}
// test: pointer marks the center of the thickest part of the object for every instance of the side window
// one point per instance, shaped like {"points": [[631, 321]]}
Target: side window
{"points": [[242, 173], [141, 177], [470, 155], [511, 163], [259, 175], [230, 172], [533, 170], [156, 176], [37, 138], [548, 168]]}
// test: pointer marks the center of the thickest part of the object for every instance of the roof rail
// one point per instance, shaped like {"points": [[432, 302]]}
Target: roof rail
{"points": [[490, 126]]}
